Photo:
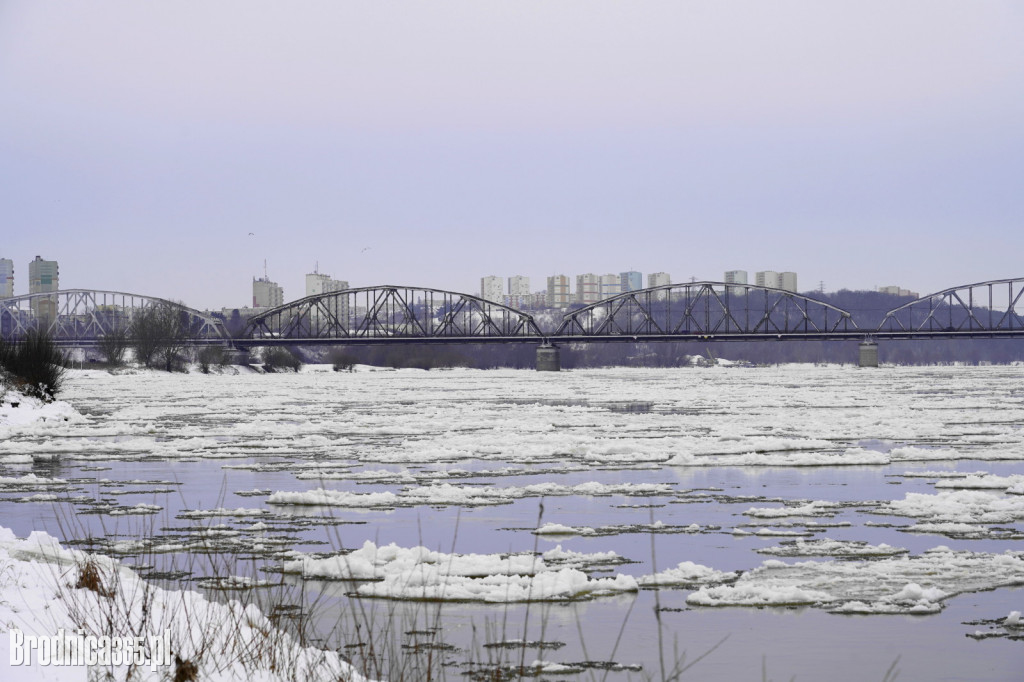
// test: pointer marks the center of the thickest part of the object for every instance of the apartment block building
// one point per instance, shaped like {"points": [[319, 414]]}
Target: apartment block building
{"points": [[6, 278], [787, 281], [43, 277], [611, 285], [518, 286], [491, 289], [657, 279], [735, 277], [266, 294], [767, 278], [776, 280], [319, 283], [558, 294], [588, 288], [630, 281], [898, 291]]}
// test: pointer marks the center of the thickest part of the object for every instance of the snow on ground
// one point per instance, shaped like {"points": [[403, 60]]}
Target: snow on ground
{"points": [[20, 413], [38, 581]]}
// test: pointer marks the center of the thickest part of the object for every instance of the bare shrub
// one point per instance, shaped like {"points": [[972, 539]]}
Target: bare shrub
{"points": [[210, 355], [34, 365], [278, 359], [342, 360], [114, 344]]}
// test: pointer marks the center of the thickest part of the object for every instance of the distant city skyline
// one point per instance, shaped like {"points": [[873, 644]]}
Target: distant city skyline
{"points": [[266, 291], [171, 148]]}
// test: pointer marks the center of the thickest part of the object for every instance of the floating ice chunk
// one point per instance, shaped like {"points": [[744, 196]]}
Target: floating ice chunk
{"points": [[334, 498], [757, 595], [559, 529], [983, 481], [916, 454], [816, 508], [432, 583], [904, 584], [1012, 620], [561, 556], [371, 562], [688, 573], [827, 547], [957, 506]]}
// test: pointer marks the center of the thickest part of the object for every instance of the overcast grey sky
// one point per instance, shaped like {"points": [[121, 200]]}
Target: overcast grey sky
{"points": [[431, 143]]}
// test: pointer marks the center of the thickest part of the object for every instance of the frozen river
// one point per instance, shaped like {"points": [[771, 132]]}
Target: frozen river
{"points": [[822, 521]]}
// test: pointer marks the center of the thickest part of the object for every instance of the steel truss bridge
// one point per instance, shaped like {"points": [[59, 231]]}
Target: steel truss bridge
{"points": [[81, 317], [704, 311]]}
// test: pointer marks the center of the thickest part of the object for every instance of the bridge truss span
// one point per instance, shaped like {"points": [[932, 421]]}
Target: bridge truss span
{"points": [[707, 310], [83, 316], [990, 308], [391, 313]]}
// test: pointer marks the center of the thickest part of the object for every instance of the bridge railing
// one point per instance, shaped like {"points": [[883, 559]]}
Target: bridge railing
{"points": [[991, 306], [86, 315], [391, 312], [697, 309]]}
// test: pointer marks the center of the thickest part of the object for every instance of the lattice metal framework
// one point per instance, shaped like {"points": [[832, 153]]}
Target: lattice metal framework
{"points": [[395, 313], [968, 309], [85, 315], [706, 309]]}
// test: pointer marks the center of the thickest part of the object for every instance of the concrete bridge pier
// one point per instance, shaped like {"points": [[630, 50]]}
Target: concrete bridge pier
{"points": [[868, 353], [549, 358]]}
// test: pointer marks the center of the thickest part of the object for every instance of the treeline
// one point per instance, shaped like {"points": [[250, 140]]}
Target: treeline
{"points": [[666, 354]]}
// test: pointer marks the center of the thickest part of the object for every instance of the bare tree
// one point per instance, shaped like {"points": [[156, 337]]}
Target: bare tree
{"points": [[160, 334], [114, 343]]}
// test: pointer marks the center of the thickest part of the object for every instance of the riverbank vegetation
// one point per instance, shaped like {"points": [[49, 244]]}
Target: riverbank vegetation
{"points": [[33, 365]]}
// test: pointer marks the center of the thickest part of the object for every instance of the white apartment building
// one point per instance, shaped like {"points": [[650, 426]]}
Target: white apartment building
{"points": [[319, 283], [611, 285], [898, 291], [558, 295], [735, 277], [518, 286], [6, 278], [787, 281], [588, 288], [657, 279], [266, 294], [767, 278], [491, 289]]}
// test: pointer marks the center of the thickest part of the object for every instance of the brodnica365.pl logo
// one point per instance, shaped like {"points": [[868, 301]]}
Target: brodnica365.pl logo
{"points": [[77, 648]]}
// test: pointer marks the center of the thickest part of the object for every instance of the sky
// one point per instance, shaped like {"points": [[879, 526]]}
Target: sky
{"points": [[173, 148]]}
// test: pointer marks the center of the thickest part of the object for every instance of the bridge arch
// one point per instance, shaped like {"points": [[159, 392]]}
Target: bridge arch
{"points": [[701, 310], [990, 306], [72, 316], [391, 313]]}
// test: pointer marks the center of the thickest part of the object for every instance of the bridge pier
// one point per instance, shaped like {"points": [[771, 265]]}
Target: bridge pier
{"points": [[868, 354], [549, 358]]}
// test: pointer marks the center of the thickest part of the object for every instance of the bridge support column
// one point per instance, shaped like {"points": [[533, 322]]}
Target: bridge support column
{"points": [[549, 359], [868, 354]]}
